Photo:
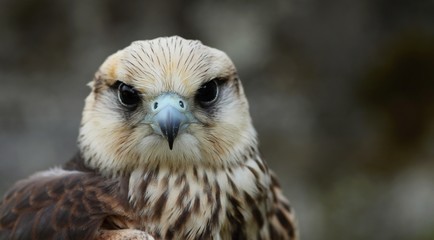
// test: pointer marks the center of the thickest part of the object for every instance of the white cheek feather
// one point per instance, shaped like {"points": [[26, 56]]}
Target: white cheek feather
{"points": [[235, 127]]}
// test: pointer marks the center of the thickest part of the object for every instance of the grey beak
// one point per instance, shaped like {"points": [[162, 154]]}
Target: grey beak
{"points": [[169, 120], [169, 115]]}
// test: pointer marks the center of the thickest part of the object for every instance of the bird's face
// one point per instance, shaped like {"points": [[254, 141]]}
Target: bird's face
{"points": [[167, 101]]}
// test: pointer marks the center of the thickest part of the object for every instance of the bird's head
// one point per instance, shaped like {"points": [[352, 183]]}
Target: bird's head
{"points": [[167, 101]]}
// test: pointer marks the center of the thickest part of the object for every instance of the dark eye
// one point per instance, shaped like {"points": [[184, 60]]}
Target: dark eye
{"points": [[207, 93], [128, 96]]}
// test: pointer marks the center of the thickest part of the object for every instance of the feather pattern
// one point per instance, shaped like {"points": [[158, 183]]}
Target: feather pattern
{"points": [[127, 184]]}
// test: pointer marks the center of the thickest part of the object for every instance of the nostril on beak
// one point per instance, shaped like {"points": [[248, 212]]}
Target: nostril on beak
{"points": [[169, 115]]}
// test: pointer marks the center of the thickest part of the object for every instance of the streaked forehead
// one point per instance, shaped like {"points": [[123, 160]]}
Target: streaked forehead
{"points": [[169, 64]]}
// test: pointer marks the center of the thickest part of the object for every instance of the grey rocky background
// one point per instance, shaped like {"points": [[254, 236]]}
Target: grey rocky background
{"points": [[341, 93]]}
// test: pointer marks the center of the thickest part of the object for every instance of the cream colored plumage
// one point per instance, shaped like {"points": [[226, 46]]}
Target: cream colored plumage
{"points": [[168, 144]]}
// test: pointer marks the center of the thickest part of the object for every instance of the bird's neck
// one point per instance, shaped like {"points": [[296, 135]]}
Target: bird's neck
{"points": [[166, 198]]}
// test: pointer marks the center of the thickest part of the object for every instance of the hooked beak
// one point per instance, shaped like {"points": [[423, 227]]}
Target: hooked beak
{"points": [[169, 116]]}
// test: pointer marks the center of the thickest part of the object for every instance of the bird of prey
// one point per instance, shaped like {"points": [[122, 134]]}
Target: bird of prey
{"points": [[167, 150]]}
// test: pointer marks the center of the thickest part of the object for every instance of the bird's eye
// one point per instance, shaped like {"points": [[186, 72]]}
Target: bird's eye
{"points": [[128, 96], [207, 93]]}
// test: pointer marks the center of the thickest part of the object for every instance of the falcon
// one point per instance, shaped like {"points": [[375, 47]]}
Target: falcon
{"points": [[167, 150]]}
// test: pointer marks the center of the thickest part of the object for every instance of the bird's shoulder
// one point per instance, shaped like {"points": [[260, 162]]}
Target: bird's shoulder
{"points": [[62, 203]]}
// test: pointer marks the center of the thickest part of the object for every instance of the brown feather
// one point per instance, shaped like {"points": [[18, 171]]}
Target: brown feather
{"points": [[72, 205], [127, 184]]}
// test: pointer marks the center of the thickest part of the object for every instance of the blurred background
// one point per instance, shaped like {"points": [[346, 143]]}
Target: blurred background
{"points": [[341, 93]]}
